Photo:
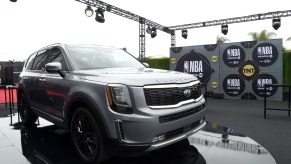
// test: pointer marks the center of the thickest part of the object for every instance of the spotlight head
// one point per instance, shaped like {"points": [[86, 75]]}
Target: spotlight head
{"points": [[224, 28], [154, 32], [13, 0], [89, 11], [276, 23], [149, 29], [100, 15], [184, 33]]}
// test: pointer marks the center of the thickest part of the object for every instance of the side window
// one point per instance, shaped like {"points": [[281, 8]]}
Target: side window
{"points": [[40, 61], [56, 55], [29, 62]]}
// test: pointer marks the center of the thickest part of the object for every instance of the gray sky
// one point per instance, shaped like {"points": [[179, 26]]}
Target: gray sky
{"points": [[28, 25]]}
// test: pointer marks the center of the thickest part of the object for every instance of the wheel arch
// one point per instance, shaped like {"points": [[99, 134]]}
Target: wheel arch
{"points": [[80, 100]]}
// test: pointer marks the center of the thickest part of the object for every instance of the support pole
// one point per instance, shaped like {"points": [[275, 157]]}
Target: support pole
{"points": [[173, 39], [141, 40]]}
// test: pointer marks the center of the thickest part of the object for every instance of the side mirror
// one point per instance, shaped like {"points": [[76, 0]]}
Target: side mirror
{"points": [[54, 67], [146, 64]]}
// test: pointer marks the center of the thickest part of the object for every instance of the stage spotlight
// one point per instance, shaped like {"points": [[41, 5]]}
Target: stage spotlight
{"points": [[89, 11], [184, 33], [224, 28], [276, 23], [154, 32], [13, 0], [149, 29], [100, 15]]}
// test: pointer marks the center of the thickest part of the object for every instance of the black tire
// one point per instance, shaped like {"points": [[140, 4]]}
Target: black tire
{"points": [[26, 114], [87, 137]]}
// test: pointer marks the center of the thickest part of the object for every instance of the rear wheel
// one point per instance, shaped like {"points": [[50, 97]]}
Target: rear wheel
{"points": [[26, 114], [86, 136]]}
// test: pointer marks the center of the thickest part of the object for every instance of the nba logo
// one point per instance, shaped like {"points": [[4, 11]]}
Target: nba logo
{"points": [[228, 53], [186, 67], [259, 83], [228, 83], [259, 52]]}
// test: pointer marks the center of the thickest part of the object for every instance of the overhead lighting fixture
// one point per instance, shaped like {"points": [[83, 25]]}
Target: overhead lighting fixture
{"points": [[276, 23], [154, 32], [184, 33], [149, 29], [89, 11], [13, 0], [100, 15], [224, 29]]}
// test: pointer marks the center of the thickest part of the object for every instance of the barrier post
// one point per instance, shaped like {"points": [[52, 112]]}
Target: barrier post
{"points": [[265, 102], [289, 101]]}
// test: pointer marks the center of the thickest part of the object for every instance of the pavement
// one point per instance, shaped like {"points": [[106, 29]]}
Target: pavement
{"points": [[246, 117]]}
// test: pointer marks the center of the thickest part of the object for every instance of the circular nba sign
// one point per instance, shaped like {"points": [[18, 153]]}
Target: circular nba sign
{"points": [[265, 54], [196, 64], [233, 56], [259, 84], [233, 85]]}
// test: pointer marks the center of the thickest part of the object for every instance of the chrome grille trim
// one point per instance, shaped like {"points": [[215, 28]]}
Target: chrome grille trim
{"points": [[172, 85]]}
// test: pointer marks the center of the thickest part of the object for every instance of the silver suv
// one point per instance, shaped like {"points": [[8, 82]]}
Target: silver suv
{"points": [[111, 103]]}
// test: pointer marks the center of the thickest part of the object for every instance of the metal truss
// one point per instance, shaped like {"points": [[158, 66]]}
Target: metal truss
{"points": [[124, 13], [248, 18], [142, 40], [173, 39], [171, 30]]}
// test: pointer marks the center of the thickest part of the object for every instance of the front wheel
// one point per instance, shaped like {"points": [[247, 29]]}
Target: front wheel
{"points": [[26, 114], [86, 136]]}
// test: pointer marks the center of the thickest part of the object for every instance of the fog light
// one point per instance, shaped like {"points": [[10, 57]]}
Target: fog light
{"points": [[159, 138]]}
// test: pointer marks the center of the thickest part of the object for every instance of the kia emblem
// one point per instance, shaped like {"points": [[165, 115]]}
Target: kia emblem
{"points": [[187, 93]]}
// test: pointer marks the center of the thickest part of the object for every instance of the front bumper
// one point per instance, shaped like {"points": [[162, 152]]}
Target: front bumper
{"points": [[151, 128], [130, 149], [178, 137]]}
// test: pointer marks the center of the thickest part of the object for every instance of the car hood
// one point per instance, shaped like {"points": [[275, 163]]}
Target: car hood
{"points": [[135, 76]]}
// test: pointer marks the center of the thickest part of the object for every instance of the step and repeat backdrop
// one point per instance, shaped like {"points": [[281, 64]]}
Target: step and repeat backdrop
{"points": [[236, 70]]}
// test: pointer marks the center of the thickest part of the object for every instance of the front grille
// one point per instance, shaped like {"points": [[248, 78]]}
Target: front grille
{"points": [[170, 96], [176, 116]]}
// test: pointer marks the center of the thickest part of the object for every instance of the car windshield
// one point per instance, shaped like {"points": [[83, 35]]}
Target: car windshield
{"points": [[93, 57]]}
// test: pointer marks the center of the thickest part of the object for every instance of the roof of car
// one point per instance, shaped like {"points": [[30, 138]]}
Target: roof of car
{"points": [[78, 45]]}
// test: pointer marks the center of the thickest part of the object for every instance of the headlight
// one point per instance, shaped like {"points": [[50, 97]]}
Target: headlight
{"points": [[119, 98]]}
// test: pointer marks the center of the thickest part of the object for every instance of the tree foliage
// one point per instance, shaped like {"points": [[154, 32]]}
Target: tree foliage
{"points": [[263, 35], [221, 39]]}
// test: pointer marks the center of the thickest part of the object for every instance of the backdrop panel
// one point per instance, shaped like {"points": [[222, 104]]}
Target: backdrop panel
{"points": [[237, 70], [202, 61]]}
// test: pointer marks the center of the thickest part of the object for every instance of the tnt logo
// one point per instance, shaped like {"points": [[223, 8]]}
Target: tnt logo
{"points": [[248, 70], [186, 66]]}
